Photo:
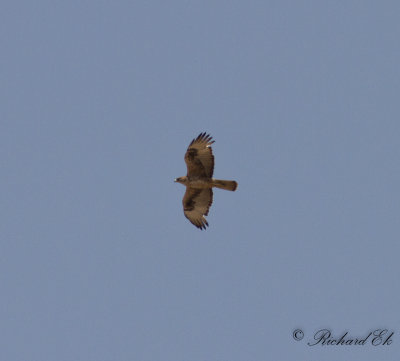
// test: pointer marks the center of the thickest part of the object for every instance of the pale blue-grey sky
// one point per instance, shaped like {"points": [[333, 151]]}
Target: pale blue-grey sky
{"points": [[99, 100]]}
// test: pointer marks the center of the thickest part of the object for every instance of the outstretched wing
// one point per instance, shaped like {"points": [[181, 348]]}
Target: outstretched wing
{"points": [[196, 203], [199, 158]]}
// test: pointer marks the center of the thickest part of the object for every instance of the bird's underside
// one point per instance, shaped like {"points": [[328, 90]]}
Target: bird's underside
{"points": [[199, 182]]}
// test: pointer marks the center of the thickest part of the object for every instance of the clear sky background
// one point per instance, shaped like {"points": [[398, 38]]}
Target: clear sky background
{"points": [[99, 101]]}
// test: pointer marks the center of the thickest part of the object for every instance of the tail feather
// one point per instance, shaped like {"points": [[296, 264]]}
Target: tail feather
{"points": [[225, 184]]}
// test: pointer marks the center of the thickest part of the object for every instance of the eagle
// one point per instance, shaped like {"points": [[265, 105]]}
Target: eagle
{"points": [[199, 181]]}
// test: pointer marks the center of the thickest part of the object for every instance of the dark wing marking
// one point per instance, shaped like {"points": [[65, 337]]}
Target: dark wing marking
{"points": [[199, 158], [196, 203]]}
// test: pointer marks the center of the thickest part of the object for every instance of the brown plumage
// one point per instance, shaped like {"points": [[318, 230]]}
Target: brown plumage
{"points": [[199, 182]]}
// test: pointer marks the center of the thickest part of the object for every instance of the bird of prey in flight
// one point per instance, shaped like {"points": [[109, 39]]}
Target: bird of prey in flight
{"points": [[199, 181]]}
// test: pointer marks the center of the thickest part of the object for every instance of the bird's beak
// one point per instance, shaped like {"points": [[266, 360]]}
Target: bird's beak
{"points": [[176, 179]]}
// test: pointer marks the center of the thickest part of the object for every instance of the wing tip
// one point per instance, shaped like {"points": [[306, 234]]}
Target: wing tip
{"points": [[203, 137], [202, 224]]}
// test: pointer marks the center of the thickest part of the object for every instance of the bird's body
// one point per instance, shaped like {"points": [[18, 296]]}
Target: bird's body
{"points": [[194, 182], [199, 182]]}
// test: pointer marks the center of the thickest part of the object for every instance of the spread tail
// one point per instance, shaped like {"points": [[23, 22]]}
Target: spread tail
{"points": [[225, 184]]}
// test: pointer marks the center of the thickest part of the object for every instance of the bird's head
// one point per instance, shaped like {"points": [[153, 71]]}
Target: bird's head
{"points": [[181, 180]]}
